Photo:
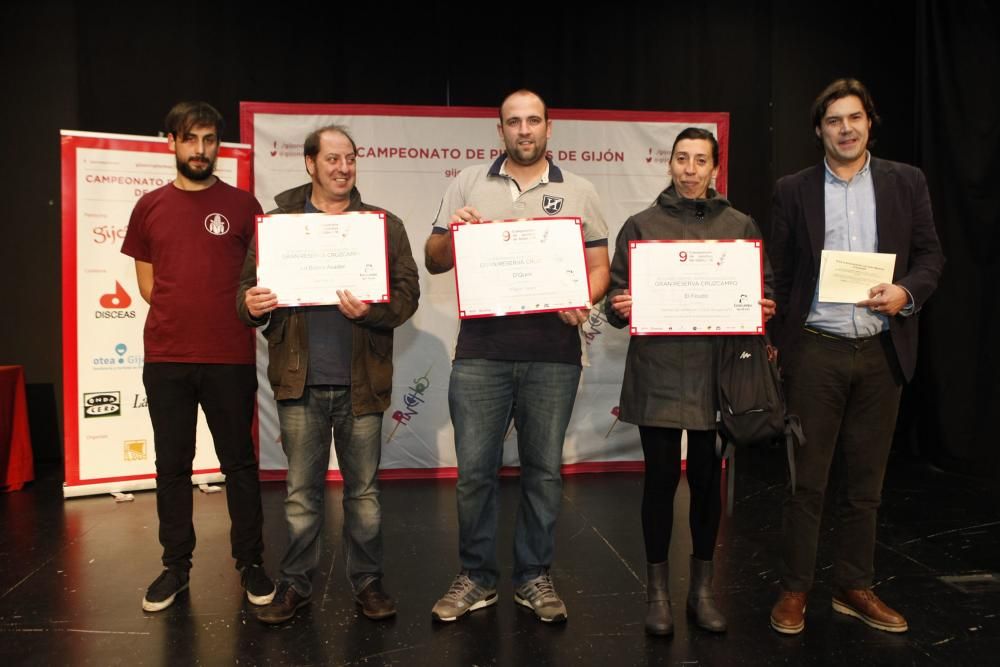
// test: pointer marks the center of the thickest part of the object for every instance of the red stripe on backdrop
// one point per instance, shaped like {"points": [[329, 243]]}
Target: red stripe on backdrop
{"points": [[71, 431]]}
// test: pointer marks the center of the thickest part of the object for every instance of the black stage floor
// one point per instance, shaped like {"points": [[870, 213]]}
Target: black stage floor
{"points": [[73, 575]]}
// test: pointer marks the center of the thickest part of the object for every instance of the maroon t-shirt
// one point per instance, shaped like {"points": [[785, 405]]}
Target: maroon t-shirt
{"points": [[196, 241]]}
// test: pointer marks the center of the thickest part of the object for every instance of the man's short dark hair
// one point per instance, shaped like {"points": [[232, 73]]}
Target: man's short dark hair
{"points": [[310, 148], [524, 91], [187, 115], [698, 133], [840, 89]]}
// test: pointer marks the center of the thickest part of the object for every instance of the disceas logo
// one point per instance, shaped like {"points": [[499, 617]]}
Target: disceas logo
{"points": [[117, 299], [116, 303], [217, 224], [102, 404]]}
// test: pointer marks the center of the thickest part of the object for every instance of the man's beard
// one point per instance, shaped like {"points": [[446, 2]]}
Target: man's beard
{"points": [[194, 175], [519, 157]]}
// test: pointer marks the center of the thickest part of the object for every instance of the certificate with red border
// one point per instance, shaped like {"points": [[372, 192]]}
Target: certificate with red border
{"points": [[304, 258], [686, 288], [516, 267]]}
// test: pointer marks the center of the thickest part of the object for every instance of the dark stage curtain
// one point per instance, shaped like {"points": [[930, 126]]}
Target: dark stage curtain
{"points": [[933, 67], [958, 61]]}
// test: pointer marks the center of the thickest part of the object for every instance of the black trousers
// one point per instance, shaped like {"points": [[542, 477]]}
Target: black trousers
{"points": [[226, 393], [661, 449], [847, 394]]}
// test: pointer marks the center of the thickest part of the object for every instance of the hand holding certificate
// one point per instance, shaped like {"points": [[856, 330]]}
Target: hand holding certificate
{"points": [[696, 287], [312, 258], [848, 277], [516, 267]]}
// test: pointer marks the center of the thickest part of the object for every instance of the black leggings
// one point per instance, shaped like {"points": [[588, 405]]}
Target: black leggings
{"points": [[662, 450]]}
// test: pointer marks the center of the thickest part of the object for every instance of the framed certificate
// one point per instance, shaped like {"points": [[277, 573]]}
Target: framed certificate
{"points": [[304, 258], [686, 288], [516, 267]]}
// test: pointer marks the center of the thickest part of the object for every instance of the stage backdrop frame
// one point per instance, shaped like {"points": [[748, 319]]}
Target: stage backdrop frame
{"points": [[407, 156]]}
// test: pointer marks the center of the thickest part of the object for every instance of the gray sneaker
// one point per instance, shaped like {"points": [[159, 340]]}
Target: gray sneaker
{"points": [[465, 595], [539, 595]]}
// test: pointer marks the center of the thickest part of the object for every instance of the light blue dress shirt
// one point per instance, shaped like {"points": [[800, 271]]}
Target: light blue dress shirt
{"points": [[850, 225]]}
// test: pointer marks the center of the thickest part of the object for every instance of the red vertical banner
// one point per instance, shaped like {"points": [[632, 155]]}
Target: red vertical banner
{"points": [[108, 437]]}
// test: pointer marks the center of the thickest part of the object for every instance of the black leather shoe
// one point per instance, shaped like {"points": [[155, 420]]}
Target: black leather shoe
{"points": [[374, 602], [286, 602]]}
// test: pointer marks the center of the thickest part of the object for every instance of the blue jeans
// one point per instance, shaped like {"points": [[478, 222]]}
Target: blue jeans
{"points": [[306, 425], [482, 397]]}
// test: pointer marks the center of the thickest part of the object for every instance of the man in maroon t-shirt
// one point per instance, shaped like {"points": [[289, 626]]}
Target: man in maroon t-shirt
{"points": [[188, 239]]}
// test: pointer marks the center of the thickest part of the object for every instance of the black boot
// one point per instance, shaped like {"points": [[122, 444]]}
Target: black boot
{"points": [[658, 618], [700, 604]]}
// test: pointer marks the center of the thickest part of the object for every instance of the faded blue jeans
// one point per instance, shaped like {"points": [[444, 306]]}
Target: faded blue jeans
{"points": [[306, 426], [482, 396]]}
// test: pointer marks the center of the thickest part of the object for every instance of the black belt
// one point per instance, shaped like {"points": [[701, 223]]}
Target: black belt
{"points": [[842, 339]]}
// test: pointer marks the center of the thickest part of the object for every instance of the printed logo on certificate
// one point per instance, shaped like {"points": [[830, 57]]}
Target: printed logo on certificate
{"points": [[517, 267], [304, 258], [688, 288]]}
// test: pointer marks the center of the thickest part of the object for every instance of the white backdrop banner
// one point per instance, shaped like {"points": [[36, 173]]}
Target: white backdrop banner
{"points": [[406, 158], [108, 436]]}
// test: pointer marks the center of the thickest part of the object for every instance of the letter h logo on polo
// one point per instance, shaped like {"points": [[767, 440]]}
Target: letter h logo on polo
{"points": [[551, 204]]}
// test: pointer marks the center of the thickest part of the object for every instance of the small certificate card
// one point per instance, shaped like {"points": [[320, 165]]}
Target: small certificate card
{"points": [[846, 277], [515, 267], [696, 287], [305, 258]]}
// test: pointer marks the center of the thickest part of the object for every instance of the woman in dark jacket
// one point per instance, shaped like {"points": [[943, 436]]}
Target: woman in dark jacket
{"points": [[669, 384]]}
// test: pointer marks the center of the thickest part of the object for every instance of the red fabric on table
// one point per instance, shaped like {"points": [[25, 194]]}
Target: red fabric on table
{"points": [[16, 464]]}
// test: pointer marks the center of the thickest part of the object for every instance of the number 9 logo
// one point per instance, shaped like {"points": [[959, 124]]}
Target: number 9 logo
{"points": [[683, 255]]}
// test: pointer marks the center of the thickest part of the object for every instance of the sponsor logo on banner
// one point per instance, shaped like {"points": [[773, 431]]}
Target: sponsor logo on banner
{"points": [[102, 404], [216, 224], [140, 401], [552, 205], [116, 305], [658, 155], [135, 450], [411, 401], [596, 320], [119, 358], [280, 150], [109, 236]]}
